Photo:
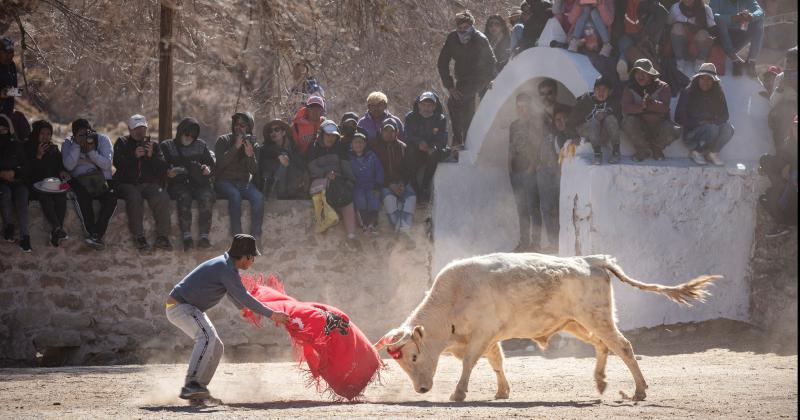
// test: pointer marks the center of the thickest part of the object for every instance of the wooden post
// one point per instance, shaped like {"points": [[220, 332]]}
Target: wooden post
{"points": [[165, 78]]}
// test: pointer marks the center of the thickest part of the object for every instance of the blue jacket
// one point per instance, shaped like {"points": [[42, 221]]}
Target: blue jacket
{"points": [[724, 9], [79, 163], [210, 281], [367, 169]]}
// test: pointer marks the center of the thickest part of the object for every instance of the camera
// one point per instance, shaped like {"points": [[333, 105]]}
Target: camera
{"points": [[91, 137]]}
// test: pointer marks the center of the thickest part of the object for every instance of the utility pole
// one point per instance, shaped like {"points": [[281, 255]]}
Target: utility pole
{"points": [[165, 79]]}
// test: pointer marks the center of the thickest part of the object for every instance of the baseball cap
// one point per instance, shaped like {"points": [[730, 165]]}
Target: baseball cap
{"points": [[329, 127], [316, 100], [136, 121], [389, 122], [427, 96], [243, 246]]}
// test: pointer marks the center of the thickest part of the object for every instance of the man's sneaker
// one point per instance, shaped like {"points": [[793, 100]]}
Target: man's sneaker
{"points": [[658, 154], [25, 243], [597, 159], [606, 50], [205, 402], [8, 233], [61, 234], [194, 391], [697, 157], [776, 231], [737, 68], [750, 69], [614, 158], [204, 243], [162, 242], [96, 242], [373, 230], [53, 238], [141, 244], [188, 244], [714, 159]]}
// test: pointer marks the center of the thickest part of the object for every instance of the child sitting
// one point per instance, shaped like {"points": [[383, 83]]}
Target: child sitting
{"points": [[368, 173]]}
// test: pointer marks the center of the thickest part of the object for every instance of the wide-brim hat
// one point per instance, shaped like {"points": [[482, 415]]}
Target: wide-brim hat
{"points": [[646, 66], [707, 69], [282, 123], [243, 246], [51, 186]]}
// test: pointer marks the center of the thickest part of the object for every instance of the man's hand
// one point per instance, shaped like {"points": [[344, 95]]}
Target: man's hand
{"points": [[206, 170], [140, 151], [172, 173], [149, 149], [280, 318], [284, 160], [237, 144], [331, 175], [248, 149], [41, 149]]}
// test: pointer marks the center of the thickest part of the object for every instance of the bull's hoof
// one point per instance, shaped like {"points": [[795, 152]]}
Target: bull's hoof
{"points": [[639, 396], [501, 395], [601, 386], [458, 396]]}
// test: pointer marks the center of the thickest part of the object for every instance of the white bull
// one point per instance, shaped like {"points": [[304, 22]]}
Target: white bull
{"points": [[476, 302]]}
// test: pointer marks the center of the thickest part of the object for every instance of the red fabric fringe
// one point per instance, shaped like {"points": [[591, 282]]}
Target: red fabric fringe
{"points": [[323, 337]]}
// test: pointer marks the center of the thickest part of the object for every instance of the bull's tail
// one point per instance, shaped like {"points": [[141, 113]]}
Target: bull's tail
{"points": [[692, 290]]}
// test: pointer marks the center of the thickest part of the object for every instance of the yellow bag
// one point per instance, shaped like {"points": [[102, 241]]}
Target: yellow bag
{"points": [[324, 215]]}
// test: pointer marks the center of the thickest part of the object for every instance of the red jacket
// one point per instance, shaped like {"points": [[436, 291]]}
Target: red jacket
{"points": [[304, 131]]}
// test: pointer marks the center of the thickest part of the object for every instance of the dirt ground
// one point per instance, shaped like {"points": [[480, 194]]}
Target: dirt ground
{"points": [[713, 383]]}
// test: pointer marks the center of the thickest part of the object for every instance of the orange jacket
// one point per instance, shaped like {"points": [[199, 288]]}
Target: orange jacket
{"points": [[304, 131]]}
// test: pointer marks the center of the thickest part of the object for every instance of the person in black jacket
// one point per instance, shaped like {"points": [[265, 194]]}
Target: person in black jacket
{"points": [[281, 168], [703, 112], [426, 141], [13, 191], [140, 172], [45, 161], [474, 69], [190, 166], [540, 12], [595, 118]]}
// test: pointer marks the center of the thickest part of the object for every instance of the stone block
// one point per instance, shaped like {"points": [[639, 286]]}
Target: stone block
{"points": [[72, 321], [57, 338], [32, 317], [69, 301], [48, 281]]}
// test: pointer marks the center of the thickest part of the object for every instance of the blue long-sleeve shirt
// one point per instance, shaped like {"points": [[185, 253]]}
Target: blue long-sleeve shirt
{"points": [[210, 281], [725, 9], [79, 163]]}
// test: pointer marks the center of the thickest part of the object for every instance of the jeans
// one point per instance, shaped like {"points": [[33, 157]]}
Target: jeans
{"points": [[599, 26], [733, 38], [526, 195], [158, 200], [548, 182], [680, 34], [709, 137], [599, 132], [184, 194], [54, 207], [94, 226], [208, 347], [400, 209], [14, 201], [234, 194]]}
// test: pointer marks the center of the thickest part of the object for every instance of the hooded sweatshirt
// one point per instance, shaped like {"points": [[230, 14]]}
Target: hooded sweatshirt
{"points": [[234, 165], [431, 130], [195, 154], [696, 106], [475, 63], [49, 166], [304, 131], [12, 153]]}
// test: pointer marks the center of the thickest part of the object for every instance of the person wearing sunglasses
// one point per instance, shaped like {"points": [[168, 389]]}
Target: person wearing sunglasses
{"points": [[282, 169]]}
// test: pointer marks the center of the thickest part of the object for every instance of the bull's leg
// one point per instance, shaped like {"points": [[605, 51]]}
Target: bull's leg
{"points": [[494, 354], [600, 349], [472, 353], [608, 333]]}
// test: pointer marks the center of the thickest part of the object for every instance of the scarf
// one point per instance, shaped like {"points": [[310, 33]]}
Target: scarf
{"points": [[465, 37]]}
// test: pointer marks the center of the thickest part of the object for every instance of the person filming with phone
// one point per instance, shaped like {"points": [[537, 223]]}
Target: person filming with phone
{"points": [[140, 172], [236, 169]]}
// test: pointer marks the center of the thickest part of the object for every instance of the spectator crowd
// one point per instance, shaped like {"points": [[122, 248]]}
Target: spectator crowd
{"points": [[646, 51]]}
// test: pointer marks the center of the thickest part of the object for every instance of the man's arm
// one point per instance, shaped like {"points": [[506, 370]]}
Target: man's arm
{"points": [[70, 153], [444, 65], [237, 293], [103, 156]]}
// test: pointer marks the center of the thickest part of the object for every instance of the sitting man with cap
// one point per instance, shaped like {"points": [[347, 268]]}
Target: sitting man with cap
{"points": [[306, 123], [703, 112], [201, 290], [88, 156], [426, 138], [140, 170], [645, 105]]}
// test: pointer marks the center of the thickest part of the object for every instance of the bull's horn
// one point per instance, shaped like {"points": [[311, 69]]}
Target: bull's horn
{"points": [[390, 339]]}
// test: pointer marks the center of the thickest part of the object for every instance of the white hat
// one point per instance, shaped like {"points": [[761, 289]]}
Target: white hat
{"points": [[707, 69], [137, 120], [427, 96], [51, 185]]}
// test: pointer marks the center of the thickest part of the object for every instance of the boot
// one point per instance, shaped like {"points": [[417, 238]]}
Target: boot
{"points": [[317, 200], [598, 156], [614, 154]]}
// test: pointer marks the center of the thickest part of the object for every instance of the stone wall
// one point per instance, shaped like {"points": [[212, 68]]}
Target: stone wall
{"points": [[75, 305]]}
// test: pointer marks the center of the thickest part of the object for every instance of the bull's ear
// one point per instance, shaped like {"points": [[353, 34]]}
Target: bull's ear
{"points": [[419, 330]]}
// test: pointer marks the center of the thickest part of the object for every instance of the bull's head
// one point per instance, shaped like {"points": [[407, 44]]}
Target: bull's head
{"points": [[407, 346]]}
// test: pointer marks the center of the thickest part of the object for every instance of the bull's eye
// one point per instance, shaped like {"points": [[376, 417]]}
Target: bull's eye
{"points": [[414, 358]]}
